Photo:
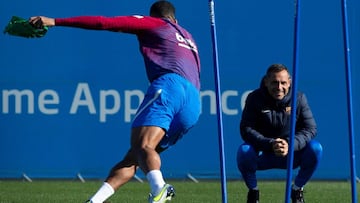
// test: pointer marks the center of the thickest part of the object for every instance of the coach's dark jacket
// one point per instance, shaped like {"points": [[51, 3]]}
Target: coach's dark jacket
{"points": [[265, 118]]}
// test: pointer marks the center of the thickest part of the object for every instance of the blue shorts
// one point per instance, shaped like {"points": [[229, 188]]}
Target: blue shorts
{"points": [[171, 103]]}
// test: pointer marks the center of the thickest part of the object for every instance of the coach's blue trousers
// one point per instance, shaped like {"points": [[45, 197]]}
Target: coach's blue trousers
{"points": [[249, 161]]}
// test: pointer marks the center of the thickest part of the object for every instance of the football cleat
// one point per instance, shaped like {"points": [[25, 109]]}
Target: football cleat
{"points": [[166, 193]]}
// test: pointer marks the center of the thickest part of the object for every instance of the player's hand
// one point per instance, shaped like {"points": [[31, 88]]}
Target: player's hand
{"points": [[280, 147], [41, 21]]}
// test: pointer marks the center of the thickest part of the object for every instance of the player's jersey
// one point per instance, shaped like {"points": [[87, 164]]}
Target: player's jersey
{"points": [[165, 46]]}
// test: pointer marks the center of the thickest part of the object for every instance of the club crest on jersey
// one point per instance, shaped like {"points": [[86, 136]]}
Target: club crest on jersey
{"points": [[186, 43]]}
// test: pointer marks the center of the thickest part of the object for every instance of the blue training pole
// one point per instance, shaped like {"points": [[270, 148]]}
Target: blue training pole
{"points": [[349, 101], [218, 102], [293, 101]]}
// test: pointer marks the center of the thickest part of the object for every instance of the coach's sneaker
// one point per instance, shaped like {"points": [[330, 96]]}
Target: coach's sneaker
{"points": [[253, 196], [166, 193], [297, 196]]}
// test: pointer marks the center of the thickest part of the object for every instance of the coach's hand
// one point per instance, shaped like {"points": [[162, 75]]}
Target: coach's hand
{"points": [[280, 147]]}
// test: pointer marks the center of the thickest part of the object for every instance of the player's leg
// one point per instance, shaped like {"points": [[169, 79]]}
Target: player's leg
{"points": [[144, 141], [150, 124], [142, 153], [123, 171], [166, 106], [120, 174], [183, 109]]}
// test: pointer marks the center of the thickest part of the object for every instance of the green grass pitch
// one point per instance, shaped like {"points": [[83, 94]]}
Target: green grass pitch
{"points": [[206, 191]]}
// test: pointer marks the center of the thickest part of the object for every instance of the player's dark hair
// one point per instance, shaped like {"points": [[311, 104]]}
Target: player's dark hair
{"points": [[162, 9]]}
